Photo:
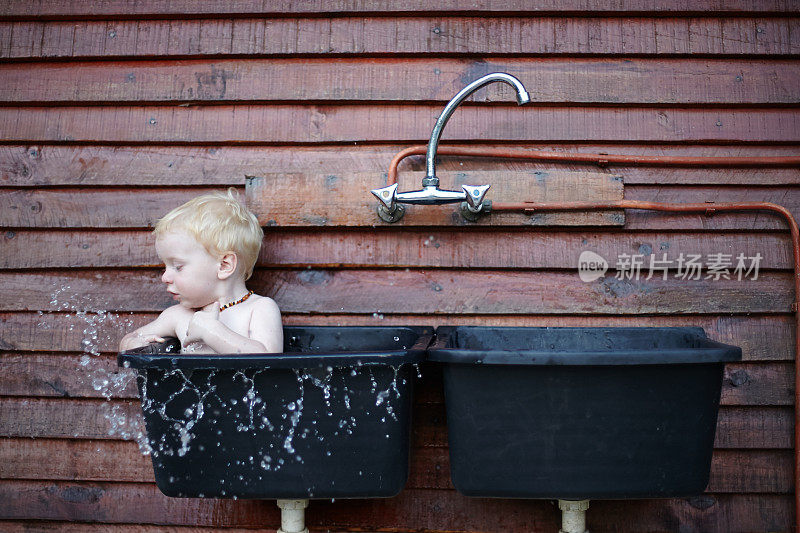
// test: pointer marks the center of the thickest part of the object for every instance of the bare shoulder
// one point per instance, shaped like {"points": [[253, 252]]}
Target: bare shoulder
{"points": [[266, 325], [175, 313], [264, 302], [265, 305]]}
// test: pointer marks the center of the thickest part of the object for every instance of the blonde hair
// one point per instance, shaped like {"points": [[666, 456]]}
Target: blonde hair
{"points": [[221, 224]]}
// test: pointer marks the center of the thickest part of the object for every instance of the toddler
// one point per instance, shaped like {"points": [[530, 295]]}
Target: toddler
{"points": [[209, 246]]}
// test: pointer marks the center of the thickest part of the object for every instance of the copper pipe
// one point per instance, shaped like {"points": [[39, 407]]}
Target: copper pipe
{"points": [[600, 159], [708, 209]]}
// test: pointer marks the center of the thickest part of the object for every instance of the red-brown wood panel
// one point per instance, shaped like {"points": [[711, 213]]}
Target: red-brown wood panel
{"points": [[416, 247], [84, 207], [575, 35], [407, 291], [226, 8], [429, 509], [552, 80], [298, 123], [113, 112], [46, 165]]}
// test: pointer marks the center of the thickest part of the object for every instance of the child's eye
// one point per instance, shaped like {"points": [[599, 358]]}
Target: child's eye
{"points": [[178, 267]]}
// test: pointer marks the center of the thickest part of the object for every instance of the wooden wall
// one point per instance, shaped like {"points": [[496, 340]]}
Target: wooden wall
{"points": [[113, 112]]}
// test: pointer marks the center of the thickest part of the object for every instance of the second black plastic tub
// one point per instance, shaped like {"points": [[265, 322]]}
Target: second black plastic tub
{"points": [[580, 413], [328, 418]]}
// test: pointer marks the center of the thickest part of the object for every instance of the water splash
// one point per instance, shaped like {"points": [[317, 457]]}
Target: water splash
{"points": [[98, 328]]}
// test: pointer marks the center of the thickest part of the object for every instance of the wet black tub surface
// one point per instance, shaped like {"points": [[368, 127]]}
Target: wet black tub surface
{"points": [[328, 418], [580, 413]]}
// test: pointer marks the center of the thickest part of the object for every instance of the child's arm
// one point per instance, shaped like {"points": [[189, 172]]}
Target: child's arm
{"points": [[155, 331], [265, 330]]}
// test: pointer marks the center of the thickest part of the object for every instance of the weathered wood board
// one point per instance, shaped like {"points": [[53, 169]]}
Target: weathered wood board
{"points": [[575, 80], [53, 9], [220, 166], [141, 207], [417, 291], [345, 200], [352, 35], [441, 247], [393, 123]]}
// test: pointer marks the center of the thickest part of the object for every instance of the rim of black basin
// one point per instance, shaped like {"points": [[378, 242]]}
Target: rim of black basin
{"points": [[701, 349], [158, 356]]}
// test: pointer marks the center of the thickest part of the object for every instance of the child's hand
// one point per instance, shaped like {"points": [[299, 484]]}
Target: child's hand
{"points": [[201, 322], [137, 340]]}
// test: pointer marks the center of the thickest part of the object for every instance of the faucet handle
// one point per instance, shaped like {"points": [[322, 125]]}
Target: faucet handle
{"points": [[475, 194], [386, 195]]}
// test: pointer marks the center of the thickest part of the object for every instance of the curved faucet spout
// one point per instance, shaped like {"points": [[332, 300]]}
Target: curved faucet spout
{"points": [[471, 196], [522, 98]]}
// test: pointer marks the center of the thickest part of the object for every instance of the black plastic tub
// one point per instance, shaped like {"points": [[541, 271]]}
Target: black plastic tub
{"points": [[328, 418], [580, 413]]}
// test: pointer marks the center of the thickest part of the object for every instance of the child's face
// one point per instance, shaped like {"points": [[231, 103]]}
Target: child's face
{"points": [[190, 272]]}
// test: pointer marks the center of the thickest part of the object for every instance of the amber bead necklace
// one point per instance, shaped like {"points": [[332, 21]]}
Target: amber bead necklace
{"points": [[240, 300]]}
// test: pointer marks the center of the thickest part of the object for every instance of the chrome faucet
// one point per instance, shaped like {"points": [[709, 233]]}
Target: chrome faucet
{"points": [[431, 194]]}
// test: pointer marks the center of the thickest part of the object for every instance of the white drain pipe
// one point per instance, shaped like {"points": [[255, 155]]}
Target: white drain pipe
{"points": [[573, 515], [293, 516]]}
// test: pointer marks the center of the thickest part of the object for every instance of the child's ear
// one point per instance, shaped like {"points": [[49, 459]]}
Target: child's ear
{"points": [[227, 265]]}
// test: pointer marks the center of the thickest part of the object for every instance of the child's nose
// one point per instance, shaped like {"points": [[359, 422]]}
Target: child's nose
{"points": [[165, 276]]}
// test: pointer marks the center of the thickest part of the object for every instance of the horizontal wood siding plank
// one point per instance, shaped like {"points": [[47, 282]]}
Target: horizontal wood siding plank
{"points": [[635, 219], [401, 35], [180, 166], [762, 338], [432, 510], [551, 80], [67, 332], [74, 460], [442, 247], [73, 419], [69, 376], [297, 123], [142, 207], [758, 384], [493, 292], [754, 427], [742, 472], [415, 291], [732, 471], [19, 526], [107, 208], [225, 8], [479, 248], [355, 208]]}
